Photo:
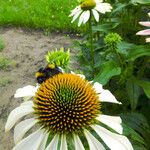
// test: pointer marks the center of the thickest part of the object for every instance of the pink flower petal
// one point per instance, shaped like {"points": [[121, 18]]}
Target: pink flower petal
{"points": [[145, 23], [144, 32]]}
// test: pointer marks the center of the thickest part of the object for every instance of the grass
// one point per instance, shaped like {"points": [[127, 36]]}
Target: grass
{"points": [[2, 45], [45, 14], [5, 81], [4, 63]]}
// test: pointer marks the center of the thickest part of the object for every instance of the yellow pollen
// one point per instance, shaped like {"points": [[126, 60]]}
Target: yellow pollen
{"points": [[66, 103]]}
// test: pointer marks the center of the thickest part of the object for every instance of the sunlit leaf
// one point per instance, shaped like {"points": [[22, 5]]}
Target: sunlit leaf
{"points": [[109, 69]]}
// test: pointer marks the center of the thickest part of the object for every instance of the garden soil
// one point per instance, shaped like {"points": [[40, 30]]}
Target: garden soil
{"points": [[26, 49]]}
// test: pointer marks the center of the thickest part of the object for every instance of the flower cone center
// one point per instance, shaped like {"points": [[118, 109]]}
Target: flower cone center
{"points": [[66, 103], [88, 4]]}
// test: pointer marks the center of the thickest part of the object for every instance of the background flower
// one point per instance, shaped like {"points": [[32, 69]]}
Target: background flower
{"points": [[87, 8], [145, 32]]}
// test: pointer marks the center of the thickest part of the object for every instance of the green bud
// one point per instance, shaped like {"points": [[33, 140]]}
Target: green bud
{"points": [[112, 39]]}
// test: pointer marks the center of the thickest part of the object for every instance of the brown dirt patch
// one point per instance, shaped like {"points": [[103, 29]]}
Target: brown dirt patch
{"points": [[27, 50]]}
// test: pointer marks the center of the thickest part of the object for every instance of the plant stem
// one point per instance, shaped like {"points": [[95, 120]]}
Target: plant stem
{"points": [[91, 42]]}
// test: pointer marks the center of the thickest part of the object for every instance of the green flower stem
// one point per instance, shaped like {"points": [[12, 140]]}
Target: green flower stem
{"points": [[91, 42]]}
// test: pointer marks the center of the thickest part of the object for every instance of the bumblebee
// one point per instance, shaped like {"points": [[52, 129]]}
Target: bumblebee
{"points": [[45, 73]]}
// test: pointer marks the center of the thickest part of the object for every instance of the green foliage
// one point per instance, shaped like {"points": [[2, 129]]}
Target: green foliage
{"points": [[5, 81], [108, 70], [45, 14], [136, 139], [2, 45], [4, 63], [112, 38], [141, 1], [58, 57], [133, 92], [138, 123], [121, 63]]}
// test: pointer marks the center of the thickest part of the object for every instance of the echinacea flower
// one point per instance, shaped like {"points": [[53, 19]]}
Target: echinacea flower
{"points": [[87, 8], [147, 31], [66, 107]]}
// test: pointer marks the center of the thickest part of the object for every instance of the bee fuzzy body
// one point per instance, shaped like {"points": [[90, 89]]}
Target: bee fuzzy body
{"points": [[45, 73]]}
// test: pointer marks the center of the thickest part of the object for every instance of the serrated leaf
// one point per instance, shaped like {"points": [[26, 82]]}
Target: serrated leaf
{"points": [[109, 69]]}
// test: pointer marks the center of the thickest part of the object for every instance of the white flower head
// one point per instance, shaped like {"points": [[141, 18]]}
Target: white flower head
{"points": [[88, 7], [66, 106]]}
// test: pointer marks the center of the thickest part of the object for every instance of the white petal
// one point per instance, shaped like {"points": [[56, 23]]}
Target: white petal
{"points": [[145, 23], [28, 90], [104, 95], [98, 87], [96, 15], [74, 11], [22, 128], [16, 114], [32, 142], [147, 39], [78, 143], [107, 96], [43, 143], [94, 144], [81, 75], [144, 32], [103, 7], [29, 103], [112, 121], [63, 145], [76, 16], [113, 141], [53, 144], [86, 16]]}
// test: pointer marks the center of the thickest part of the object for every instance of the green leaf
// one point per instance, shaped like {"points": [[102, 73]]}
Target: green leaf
{"points": [[105, 27], [120, 7], [145, 85], [132, 51], [124, 47], [141, 1], [109, 69], [138, 51], [133, 92], [133, 136], [138, 122]]}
